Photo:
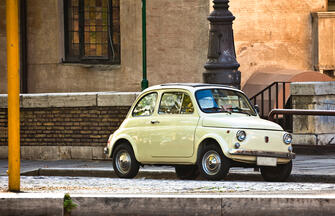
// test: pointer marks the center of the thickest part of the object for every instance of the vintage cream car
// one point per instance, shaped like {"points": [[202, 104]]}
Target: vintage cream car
{"points": [[200, 129]]}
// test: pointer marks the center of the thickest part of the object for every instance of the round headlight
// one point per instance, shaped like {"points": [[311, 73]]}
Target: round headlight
{"points": [[241, 135], [287, 138]]}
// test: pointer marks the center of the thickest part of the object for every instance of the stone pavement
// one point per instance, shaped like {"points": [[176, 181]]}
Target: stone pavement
{"points": [[303, 164], [311, 174]]}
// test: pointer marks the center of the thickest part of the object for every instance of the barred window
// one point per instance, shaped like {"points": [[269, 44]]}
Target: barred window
{"points": [[92, 31]]}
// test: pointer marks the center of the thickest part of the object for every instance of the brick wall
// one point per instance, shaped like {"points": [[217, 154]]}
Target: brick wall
{"points": [[73, 126], [66, 127], [3, 127]]}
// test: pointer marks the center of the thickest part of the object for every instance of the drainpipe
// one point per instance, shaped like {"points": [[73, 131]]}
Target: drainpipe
{"points": [[145, 82]]}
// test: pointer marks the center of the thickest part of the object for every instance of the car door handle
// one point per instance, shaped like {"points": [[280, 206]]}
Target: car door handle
{"points": [[154, 122]]}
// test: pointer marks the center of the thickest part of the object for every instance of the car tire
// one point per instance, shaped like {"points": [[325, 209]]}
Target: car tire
{"points": [[212, 163], [187, 172], [124, 162], [277, 174]]}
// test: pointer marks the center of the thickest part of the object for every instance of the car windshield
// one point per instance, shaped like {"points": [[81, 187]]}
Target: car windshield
{"points": [[223, 100]]}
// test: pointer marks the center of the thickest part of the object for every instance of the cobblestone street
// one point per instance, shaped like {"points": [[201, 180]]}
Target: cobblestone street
{"points": [[251, 183]]}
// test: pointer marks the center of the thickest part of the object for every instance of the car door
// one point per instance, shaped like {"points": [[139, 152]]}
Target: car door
{"points": [[174, 127], [139, 127]]}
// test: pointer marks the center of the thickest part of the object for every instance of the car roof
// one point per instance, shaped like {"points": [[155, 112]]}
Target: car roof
{"points": [[195, 85], [190, 86]]}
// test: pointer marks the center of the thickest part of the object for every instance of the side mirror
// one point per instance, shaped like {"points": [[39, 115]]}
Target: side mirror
{"points": [[257, 108]]}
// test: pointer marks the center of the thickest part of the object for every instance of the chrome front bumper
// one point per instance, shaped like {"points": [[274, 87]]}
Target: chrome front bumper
{"points": [[286, 155]]}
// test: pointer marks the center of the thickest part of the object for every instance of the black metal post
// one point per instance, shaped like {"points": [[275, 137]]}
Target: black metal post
{"points": [[277, 99], [221, 66], [23, 47]]}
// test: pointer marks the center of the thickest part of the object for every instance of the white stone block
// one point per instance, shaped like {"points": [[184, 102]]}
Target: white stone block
{"points": [[326, 139], [116, 98], [313, 88], [81, 152], [304, 139], [3, 152], [3, 101]]}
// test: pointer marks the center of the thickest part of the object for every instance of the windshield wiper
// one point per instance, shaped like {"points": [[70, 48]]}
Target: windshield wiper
{"points": [[216, 109], [240, 111]]}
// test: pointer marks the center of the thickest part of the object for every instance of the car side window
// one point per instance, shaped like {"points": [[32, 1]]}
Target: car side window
{"points": [[175, 103], [146, 105], [187, 106]]}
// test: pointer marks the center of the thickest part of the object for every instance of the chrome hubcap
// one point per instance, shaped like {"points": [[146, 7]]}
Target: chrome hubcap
{"points": [[211, 163], [123, 162]]}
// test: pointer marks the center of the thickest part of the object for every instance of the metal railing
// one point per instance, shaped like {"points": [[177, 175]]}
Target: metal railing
{"points": [[300, 112], [266, 107]]}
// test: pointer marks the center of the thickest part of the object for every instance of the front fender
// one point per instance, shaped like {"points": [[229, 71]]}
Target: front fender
{"points": [[219, 139]]}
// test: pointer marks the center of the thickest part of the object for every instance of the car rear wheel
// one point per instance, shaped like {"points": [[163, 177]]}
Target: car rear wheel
{"points": [[277, 174], [124, 162], [213, 165], [187, 172]]}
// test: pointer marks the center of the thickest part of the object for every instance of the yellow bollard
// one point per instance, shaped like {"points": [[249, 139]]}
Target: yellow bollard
{"points": [[13, 59]]}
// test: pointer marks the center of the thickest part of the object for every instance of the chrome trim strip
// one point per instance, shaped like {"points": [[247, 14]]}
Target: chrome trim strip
{"points": [[264, 129], [288, 155]]}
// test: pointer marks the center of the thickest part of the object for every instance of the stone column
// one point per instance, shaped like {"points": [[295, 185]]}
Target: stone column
{"points": [[313, 130], [221, 66]]}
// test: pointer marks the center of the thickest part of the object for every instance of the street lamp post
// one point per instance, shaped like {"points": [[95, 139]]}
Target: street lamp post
{"points": [[221, 66]]}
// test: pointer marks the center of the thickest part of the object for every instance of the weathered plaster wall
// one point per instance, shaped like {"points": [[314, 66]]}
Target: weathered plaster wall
{"points": [[273, 34], [177, 47], [177, 40], [3, 59], [45, 49], [269, 36]]}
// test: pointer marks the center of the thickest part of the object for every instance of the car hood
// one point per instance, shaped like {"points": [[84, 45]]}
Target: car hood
{"points": [[241, 121]]}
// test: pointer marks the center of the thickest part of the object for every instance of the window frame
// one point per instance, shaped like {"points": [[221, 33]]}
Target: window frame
{"points": [[181, 105], [81, 58], [132, 111], [252, 108], [331, 6]]}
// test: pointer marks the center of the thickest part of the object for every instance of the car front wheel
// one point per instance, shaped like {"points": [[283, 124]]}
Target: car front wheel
{"points": [[124, 162], [213, 165], [187, 172], [277, 174]]}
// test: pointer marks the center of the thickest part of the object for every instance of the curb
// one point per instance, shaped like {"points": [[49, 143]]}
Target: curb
{"points": [[27, 204], [102, 173], [228, 205], [168, 174]]}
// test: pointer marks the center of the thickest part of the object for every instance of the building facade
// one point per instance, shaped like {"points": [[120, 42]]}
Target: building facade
{"points": [[96, 45]]}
